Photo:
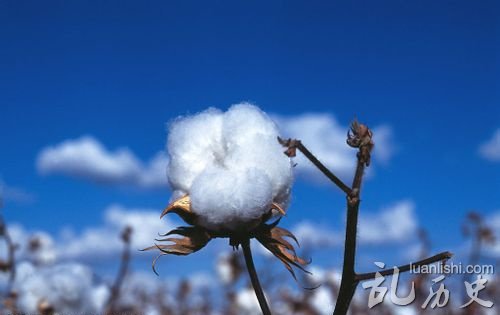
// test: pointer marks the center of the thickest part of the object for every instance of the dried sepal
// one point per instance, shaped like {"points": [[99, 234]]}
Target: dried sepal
{"points": [[487, 235], [153, 265], [273, 239], [5, 266], [474, 217], [181, 207], [192, 240], [277, 207], [126, 234], [291, 145], [360, 136]]}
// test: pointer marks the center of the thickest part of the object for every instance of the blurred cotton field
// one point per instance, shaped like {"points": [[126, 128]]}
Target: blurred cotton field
{"points": [[46, 286]]}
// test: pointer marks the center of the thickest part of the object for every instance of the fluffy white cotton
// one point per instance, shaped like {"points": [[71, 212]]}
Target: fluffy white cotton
{"points": [[193, 144], [224, 270], [322, 300], [45, 253], [230, 198], [247, 302], [231, 165], [68, 287]]}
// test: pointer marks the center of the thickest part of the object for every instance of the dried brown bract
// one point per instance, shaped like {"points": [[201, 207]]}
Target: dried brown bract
{"points": [[360, 136], [45, 308], [190, 239], [291, 145]]}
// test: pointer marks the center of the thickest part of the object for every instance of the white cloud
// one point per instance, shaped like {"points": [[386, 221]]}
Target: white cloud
{"points": [[88, 159], [490, 149], [392, 224], [311, 235], [395, 223], [14, 194], [105, 240], [384, 144], [326, 138]]}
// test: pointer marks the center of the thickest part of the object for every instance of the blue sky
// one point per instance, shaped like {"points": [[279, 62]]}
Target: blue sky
{"points": [[119, 71]]}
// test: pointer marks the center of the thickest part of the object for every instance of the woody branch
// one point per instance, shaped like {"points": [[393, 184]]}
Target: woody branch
{"points": [[122, 273], [8, 264], [359, 137]]}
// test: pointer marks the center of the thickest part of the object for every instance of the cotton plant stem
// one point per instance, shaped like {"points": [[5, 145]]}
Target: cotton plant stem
{"points": [[294, 144], [349, 283], [122, 273], [247, 252], [11, 260], [323, 168], [388, 272], [359, 137], [11, 257]]}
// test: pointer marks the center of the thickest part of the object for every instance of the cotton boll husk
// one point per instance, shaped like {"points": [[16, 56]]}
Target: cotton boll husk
{"points": [[194, 143], [222, 198]]}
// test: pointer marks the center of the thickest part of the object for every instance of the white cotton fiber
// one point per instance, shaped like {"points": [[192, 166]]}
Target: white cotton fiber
{"points": [[194, 143], [68, 288], [230, 198], [230, 164]]}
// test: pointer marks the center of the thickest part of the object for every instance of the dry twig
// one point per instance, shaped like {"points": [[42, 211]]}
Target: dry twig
{"points": [[122, 273], [359, 137]]}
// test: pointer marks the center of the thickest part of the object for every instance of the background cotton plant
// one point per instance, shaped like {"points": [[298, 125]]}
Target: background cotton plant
{"points": [[70, 287]]}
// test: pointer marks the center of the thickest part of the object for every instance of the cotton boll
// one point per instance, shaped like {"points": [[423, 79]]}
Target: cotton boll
{"points": [[228, 267], [322, 300], [138, 284], [99, 296], [223, 198], [247, 302], [230, 164], [42, 249], [66, 287], [224, 270], [193, 144]]}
